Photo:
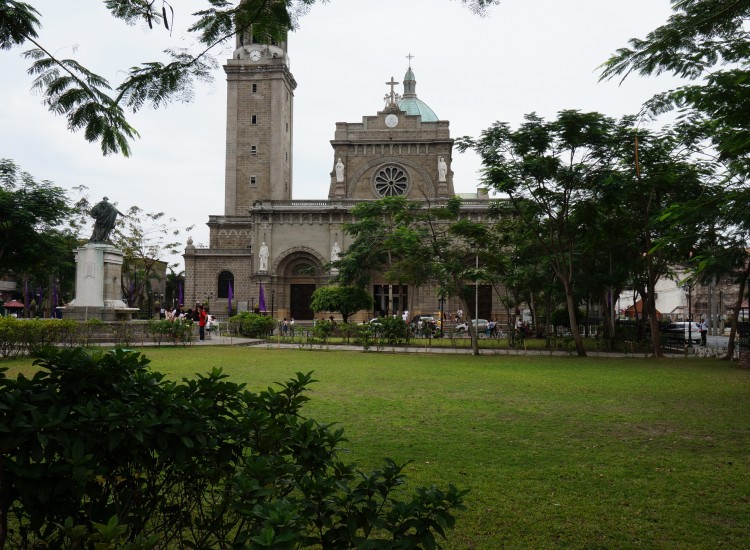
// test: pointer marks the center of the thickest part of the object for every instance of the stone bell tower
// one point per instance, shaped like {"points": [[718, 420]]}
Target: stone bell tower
{"points": [[260, 94]]}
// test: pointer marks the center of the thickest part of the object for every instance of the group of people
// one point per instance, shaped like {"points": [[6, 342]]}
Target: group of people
{"points": [[287, 326], [199, 315]]}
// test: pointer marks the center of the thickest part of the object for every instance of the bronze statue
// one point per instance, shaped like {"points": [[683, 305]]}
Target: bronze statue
{"points": [[105, 216]]}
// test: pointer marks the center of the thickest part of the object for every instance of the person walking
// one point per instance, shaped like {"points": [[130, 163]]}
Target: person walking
{"points": [[704, 332]]}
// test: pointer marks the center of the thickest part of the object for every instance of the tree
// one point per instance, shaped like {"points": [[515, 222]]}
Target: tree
{"points": [[39, 229], [93, 106], [709, 41], [551, 172], [31, 215], [145, 238], [704, 39], [346, 300], [100, 451], [400, 238]]}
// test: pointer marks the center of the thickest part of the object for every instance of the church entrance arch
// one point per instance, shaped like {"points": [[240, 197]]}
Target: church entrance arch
{"points": [[301, 272]]}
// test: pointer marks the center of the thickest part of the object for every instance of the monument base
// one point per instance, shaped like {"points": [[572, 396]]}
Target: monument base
{"points": [[84, 313], [98, 280]]}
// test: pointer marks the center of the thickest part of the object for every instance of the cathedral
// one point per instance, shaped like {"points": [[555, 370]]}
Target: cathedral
{"points": [[269, 252]]}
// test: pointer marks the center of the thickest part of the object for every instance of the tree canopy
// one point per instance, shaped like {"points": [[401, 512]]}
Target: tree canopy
{"points": [[99, 109]]}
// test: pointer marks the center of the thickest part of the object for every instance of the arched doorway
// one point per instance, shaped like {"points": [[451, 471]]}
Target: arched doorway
{"points": [[301, 272]]}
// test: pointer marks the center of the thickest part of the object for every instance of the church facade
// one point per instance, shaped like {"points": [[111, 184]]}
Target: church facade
{"points": [[269, 251]]}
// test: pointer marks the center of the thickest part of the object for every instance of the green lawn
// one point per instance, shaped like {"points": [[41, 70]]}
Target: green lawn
{"points": [[557, 451]]}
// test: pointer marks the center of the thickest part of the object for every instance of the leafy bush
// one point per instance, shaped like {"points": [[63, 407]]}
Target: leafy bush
{"points": [[393, 330], [252, 325], [177, 331], [99, 449], [29, 335]]}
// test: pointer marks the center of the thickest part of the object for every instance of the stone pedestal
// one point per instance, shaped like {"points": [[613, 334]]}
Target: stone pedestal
{"points": [[98, 290]]}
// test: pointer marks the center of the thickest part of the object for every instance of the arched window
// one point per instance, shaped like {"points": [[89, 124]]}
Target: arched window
{"points": [[225, 279]]}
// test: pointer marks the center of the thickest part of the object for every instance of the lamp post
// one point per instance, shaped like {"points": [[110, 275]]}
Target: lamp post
{"points": [[207, 296], [273, 299]]}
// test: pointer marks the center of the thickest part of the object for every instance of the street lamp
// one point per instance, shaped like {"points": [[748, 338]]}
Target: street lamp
{"points": [[273, 299], [207, 296]]}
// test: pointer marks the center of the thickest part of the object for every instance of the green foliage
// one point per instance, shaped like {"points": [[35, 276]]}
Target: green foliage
{"points": [[392, 330], [346, 300], [88, 101], [178, 331], [28, 336], [31, 215], [252, 325], [98, 448]]}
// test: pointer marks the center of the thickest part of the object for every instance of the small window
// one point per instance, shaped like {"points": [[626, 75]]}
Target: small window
{"points": [[253, 181], [253, 149], [287, 127], [286, 157], [255, 88], [253, 119]]}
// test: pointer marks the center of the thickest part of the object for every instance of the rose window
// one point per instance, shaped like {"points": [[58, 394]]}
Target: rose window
{"points": [[391, 181]]}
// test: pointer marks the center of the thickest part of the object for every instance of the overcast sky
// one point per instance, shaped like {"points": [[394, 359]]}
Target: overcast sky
{"points": [[524, 56]]}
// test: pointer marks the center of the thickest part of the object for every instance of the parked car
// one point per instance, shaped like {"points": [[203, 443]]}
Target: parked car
{"points": [[479, 324], [684, 331]]}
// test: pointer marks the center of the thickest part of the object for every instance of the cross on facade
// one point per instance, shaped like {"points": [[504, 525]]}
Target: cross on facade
{"points": [[392, 83]]}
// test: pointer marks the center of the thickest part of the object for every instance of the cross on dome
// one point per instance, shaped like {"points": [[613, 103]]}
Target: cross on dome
{"points": [[410, 57]]}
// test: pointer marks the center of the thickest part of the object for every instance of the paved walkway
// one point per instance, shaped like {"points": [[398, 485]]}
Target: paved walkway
{"points": [[226, 340]]}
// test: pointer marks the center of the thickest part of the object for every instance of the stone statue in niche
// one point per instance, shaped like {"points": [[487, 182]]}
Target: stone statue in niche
{"points": [[263, 257], [442, 169], [339, 171], [335, 251]]}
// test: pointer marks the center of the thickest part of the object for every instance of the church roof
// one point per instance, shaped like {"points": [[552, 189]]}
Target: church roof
{"points": [[411, 104]]}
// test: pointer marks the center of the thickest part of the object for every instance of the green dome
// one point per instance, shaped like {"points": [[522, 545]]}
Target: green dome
{"points": [[415, 106], [411, 103]]}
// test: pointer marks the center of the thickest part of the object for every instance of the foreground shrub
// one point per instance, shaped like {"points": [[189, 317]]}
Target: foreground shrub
{"points": [[252, 325], [99, 449], [21, 336]]}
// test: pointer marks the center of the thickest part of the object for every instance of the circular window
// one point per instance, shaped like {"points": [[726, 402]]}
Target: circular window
{"points": [[391, 181]]}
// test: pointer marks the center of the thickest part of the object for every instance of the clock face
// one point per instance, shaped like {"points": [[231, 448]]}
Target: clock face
{"points": [[254, 55], [391, 121]]}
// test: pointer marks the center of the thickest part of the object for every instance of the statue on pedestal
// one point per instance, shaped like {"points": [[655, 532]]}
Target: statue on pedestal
{"points": [[105, 216]]}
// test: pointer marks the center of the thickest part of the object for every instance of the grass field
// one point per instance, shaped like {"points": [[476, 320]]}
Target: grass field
{"points": [[556, 451]]}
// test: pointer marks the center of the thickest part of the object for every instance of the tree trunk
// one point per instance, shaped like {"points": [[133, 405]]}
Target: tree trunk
{"points": [[609, 326], [469, 325], [574, 331], [736, 315]]}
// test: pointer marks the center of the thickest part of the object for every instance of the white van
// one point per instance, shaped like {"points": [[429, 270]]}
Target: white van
{"points": [[685, 330]]}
